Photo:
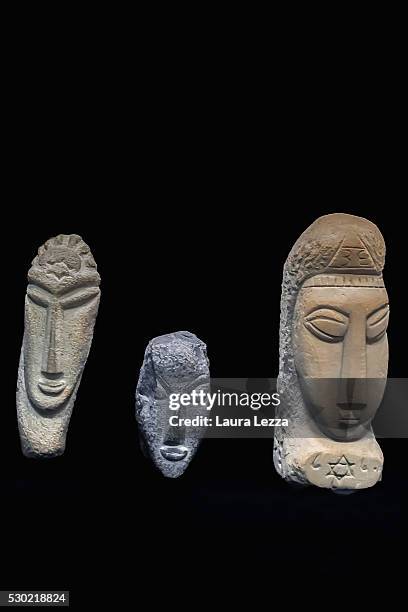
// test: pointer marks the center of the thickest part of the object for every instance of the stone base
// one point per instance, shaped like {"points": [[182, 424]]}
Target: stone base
{"points": [[328, 464]]}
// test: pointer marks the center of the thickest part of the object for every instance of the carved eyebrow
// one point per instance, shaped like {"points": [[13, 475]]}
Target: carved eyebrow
{"points": [[200, 380], [65, 291], [328, 312], [72, 290], [39, 294], [74, 297], [41, 288], [189, 386], [79, 296]]}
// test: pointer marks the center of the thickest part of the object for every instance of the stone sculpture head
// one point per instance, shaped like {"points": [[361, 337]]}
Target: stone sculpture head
{"points": [[174, 363], [60, 309], [334, 316]]}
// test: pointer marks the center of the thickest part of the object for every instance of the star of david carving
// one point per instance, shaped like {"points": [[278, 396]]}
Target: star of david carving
{"points": [[341, 468]]}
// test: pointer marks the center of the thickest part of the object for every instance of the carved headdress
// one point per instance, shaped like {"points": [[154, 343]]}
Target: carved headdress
{"points": [[62, 262]]}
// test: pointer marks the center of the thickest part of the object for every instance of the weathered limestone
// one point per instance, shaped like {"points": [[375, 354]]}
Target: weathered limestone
{"points": [[173, 364], [333, 355], [60, 310]]}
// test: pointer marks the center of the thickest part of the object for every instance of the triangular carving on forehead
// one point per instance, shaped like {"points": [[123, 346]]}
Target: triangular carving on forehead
{"points": [[352, 253]]}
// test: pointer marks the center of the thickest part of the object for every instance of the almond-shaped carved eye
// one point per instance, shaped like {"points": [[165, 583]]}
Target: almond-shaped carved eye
{"points": [[80, 297], [38, 296], [327, 324], [377, 323]]}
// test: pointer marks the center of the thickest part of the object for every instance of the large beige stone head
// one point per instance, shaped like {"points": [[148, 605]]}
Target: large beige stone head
{"points": [[60, 310], [334, 317]]}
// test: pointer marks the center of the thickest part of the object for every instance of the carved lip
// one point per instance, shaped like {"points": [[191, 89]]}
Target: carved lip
{"points": [[350, 420], [52, 388], [350, 415], [174, 453]]}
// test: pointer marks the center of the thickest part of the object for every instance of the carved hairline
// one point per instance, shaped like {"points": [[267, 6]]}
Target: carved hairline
{"points": [[344, 280]]}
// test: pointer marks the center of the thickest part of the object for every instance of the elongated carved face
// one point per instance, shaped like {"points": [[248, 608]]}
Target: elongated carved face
{"points": [[60, 310], [174, 364], [341, 355]]}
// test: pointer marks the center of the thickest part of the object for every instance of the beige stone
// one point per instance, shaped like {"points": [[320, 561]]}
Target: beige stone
{"points": [[60, 310], [333, 355]]}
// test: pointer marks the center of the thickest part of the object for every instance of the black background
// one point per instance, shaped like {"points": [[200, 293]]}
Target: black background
{"points": [[190, 193]]}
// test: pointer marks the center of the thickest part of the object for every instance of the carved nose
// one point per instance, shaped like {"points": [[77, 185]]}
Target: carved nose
{"points": [[352, 382], [52, 353], [352, 393]]}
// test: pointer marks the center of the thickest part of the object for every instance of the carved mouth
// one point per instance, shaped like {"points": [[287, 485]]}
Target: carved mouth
{"points": [[174, 453], [52, 388], [350, 414]]}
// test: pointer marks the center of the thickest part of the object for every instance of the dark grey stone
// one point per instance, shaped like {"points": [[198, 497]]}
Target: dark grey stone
{"points": [[173, 363]]}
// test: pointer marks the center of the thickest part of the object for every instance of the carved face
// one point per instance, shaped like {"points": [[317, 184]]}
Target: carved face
{"points": [[60, 311], [176, 364], [341, 355]]}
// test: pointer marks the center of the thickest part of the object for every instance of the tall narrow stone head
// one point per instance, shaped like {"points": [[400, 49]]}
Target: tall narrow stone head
{"points": [[176, 364], [60, 310], [333, 347]]}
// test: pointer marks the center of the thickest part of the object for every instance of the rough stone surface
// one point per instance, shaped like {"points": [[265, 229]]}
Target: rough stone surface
{"points": [[61, 305], [173, 363], [333, 355]]}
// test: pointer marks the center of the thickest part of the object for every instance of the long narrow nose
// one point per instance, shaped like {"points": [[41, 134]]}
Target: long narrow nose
{"points": [[352, 383], [53, 346]]}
